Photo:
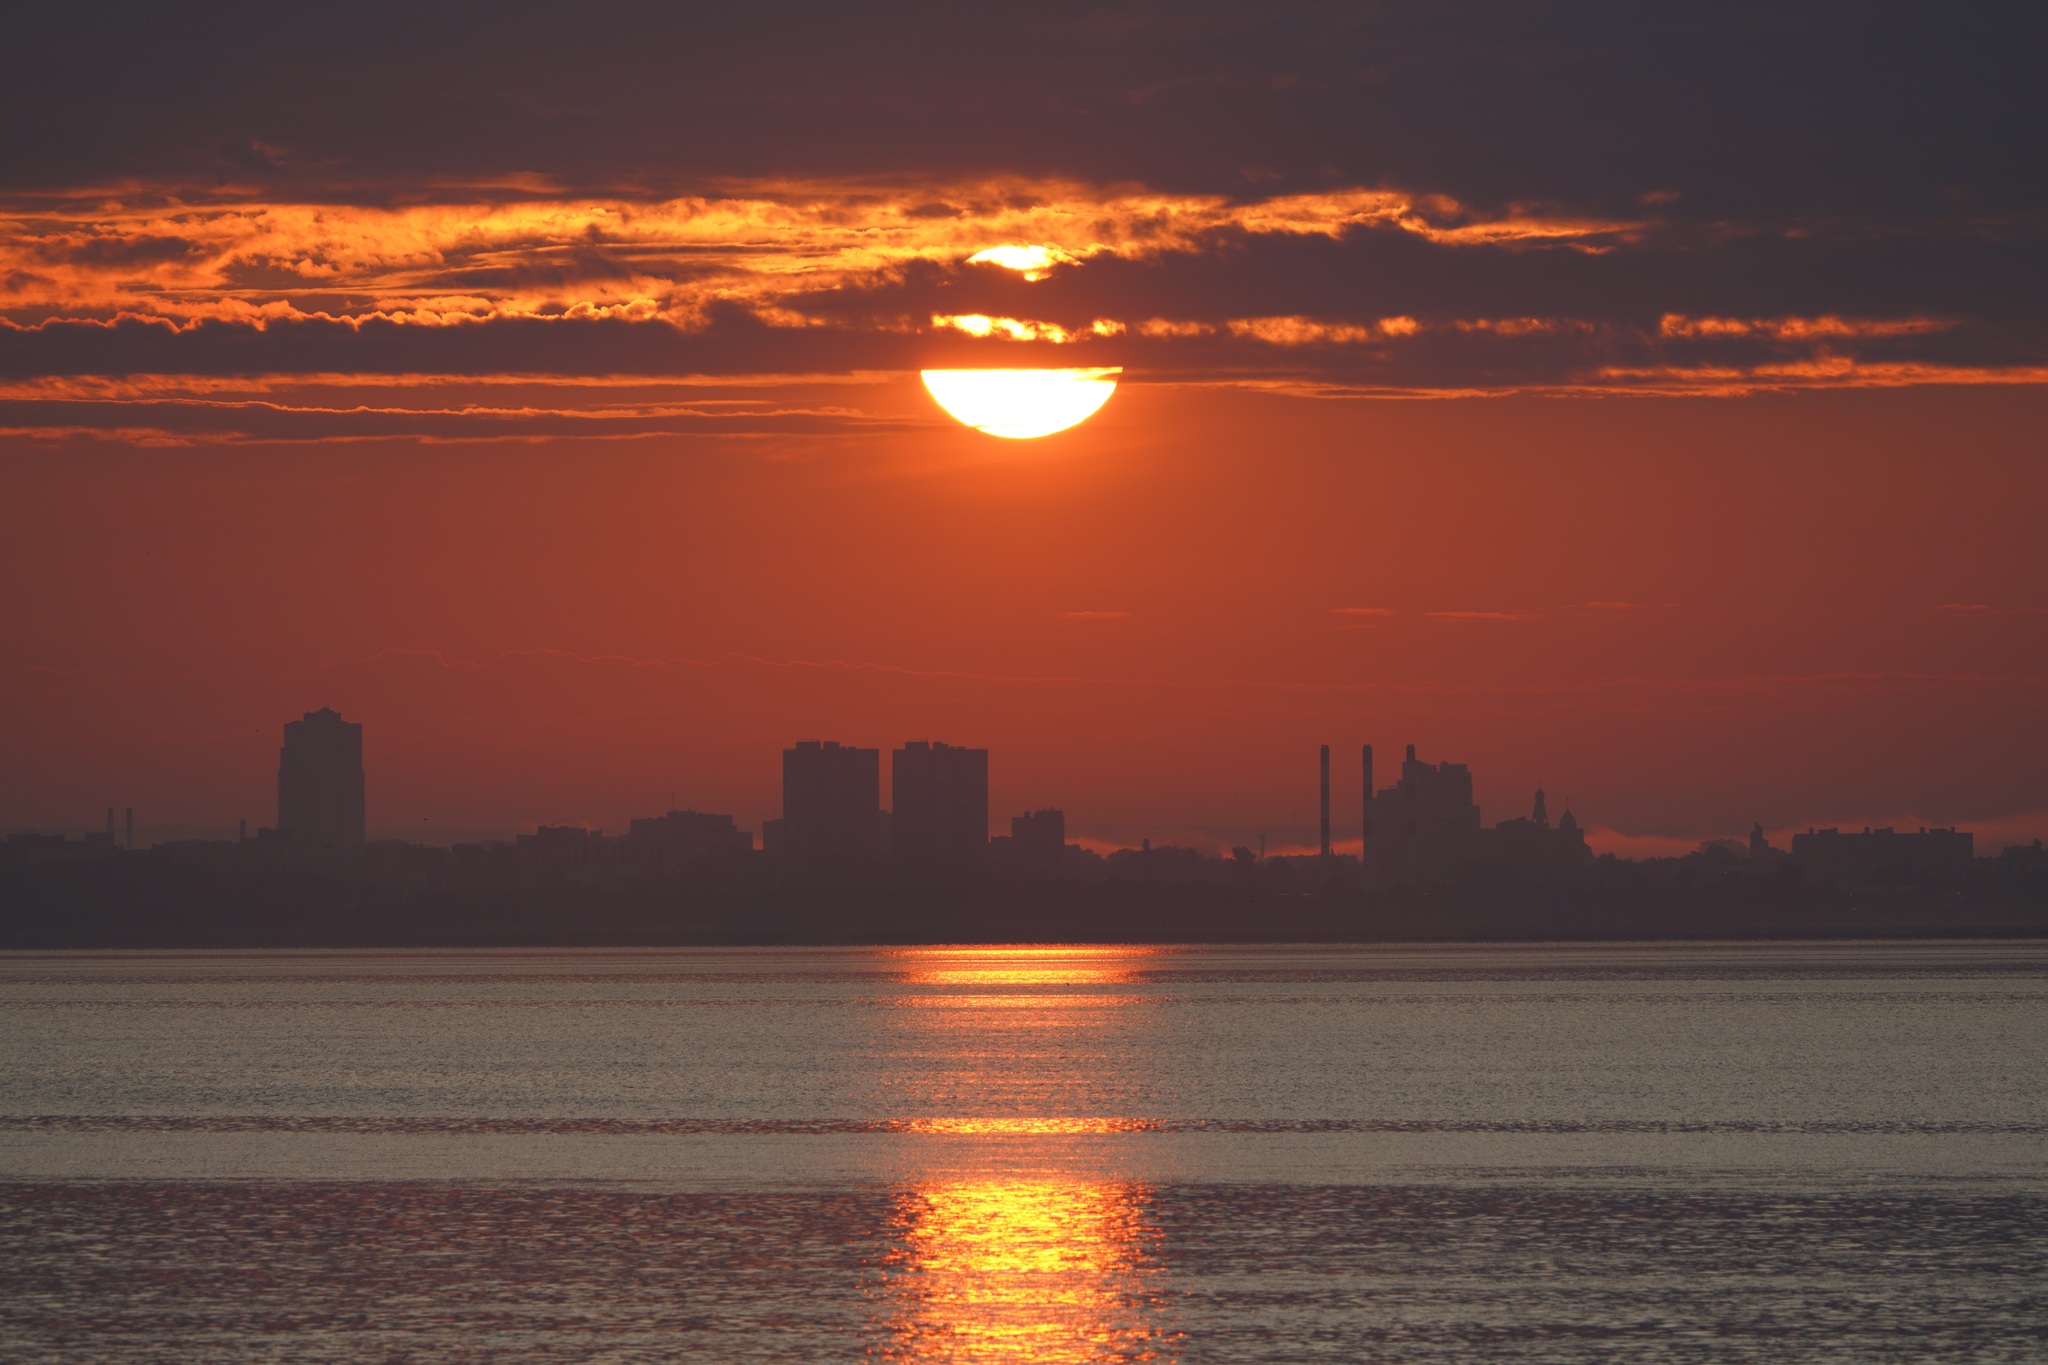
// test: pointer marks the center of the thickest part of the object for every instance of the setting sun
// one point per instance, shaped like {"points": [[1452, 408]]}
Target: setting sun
{"points": [[1021, 404]]}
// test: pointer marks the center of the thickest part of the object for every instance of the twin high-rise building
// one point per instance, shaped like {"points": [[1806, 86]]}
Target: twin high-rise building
{"points": [[320, 780], [938, 797], [831, 801], [832, 808]]}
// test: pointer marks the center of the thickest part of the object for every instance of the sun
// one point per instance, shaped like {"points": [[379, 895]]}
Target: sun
{"points": [[1021, 404]]}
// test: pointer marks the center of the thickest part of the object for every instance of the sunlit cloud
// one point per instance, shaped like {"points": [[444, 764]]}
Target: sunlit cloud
{"points": [[1798, 329], [770, 278], [1284, 331], [1833, 372], [1296, 331], [171, 254], [1018, 329]]}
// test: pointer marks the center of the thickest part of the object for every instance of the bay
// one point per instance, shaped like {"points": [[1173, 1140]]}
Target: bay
{"points": [[1541, 1152]]}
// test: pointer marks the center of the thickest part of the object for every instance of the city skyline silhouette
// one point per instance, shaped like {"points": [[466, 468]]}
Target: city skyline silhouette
{"points": [[1423, 826]]}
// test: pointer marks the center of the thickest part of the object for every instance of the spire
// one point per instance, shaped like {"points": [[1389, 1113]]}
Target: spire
{"points": [[1568, 822], [1541, 817]]}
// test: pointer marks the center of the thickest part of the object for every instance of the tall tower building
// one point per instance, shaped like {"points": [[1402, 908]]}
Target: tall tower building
{"points": [[938, 802], [1326, 803], [831, 801], [320, 780], [1365, 848]]}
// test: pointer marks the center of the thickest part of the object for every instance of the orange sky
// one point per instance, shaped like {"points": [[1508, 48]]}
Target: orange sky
{"points": [[1646, 408], [1685, 614]]}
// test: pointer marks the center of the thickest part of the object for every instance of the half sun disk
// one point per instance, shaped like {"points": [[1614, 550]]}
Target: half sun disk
{"points": [[1021, 404]]}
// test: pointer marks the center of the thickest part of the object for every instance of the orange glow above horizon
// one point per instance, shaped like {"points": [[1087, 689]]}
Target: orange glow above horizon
{"points": [[1148, 622], [1021, 405]]}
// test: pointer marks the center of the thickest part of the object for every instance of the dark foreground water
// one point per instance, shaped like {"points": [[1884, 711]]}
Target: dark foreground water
{"points": [[1665, 1153]]}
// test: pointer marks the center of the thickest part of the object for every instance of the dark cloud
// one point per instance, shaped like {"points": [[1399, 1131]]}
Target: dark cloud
{"points": [[1372, 272], [1786, 181], [1744, 110], [1517, 355], [119, 252], [273, 422]]}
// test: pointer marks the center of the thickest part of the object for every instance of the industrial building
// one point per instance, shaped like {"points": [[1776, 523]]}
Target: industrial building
{"points": [[1423, 828]]}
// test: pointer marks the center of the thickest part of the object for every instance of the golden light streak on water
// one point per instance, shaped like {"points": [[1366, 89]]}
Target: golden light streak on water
{"points": [[1045, 1270]]}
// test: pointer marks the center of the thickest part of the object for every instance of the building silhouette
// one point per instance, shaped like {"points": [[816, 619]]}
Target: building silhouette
{"points": [[320, 780], [831, 801], [686, 836], [938, 802], [1365, 847], [1529, 845], [1883, 854], [1039, 838], [1325, 842], [556, 851], [1425, 827]]}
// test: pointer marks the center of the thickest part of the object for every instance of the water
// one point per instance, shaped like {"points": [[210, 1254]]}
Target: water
{"points": [[1539, 1153]]}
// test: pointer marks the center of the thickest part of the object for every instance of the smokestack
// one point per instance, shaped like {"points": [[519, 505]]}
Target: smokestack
{"points": [[1367, 829], [1326, 803]]}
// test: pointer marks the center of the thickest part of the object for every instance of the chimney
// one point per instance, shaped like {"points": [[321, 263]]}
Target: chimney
{"points": [[1368, 802], [1326, 803]]}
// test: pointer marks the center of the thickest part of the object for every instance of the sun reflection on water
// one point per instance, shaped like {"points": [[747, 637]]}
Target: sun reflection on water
{"points": [[1014, 965], [1045, 1269], [1015, 1245]]}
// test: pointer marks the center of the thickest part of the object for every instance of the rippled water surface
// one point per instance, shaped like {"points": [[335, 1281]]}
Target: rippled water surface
{"points": [[1746, 1152]]}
